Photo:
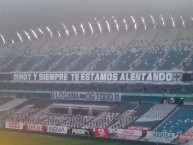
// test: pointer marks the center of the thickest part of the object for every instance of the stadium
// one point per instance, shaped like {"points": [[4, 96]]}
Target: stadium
{"points": [[87, 72]]}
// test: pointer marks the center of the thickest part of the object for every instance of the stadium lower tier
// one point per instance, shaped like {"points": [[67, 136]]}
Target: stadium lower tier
{"points": [[144, 120]]}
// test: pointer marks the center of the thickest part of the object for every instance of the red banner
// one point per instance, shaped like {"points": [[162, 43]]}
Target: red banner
{"points": [[102, 132], [35, 127], [186, 137]]}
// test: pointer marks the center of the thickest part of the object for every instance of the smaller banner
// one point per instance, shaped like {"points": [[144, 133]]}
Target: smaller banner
{"points": [[186, 137], [14, 125], [139, 128], [81, 131], [35, 127], [164, 137], [129, 134], [102, 132], [57, 129], [87, 96]]}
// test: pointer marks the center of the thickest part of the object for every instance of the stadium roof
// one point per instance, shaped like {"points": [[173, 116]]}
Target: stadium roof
{"points": [[19, 15]]}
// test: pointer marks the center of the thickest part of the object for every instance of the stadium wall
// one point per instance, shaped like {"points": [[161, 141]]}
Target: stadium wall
{"points": [[85, 137]]}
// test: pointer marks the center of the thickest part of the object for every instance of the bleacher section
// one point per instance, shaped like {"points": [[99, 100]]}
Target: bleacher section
{"points": [[177, 124], [154, 116], [107, 118], [159, 51], [24, 114], [4, 100], [146, 116], [130, 115], [11, 104], [180, 121]]}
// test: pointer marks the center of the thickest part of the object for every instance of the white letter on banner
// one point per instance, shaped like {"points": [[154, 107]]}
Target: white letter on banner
{"points": [[15, 77], [91, 76], [103, 77], [168, 77], [35, 76], [48, 77], [22, 77], [41, 77], [155, 77], [82, 77], [97, 77], [52, 77], [29, 76], [109, 77], [133, 76], [57, 76], [26, 77], [122, 78], [65, 77], [149, 77], [73, 77], [61, 78], [88, 77], [77, 77], [115, 77], [128, 76], [143, 76], [162, 76], [138, 76]]}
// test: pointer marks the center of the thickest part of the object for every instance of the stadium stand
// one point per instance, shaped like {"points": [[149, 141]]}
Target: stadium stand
{"points": [[154, 116], [11, 104], [131, 115], [106, 118], [179, 122], [4, 100], [23, 114], [169, 49], [158, 51], [151, 115]]}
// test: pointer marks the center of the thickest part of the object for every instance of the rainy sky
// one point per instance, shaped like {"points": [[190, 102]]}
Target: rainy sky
{"points": [[17, 15]]}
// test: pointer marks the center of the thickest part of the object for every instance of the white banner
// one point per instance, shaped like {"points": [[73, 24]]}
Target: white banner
{"points": [[81, 131], [87, 96], [129, 134], [14, 125], [111, 76], [161, 136], [57, 129]]}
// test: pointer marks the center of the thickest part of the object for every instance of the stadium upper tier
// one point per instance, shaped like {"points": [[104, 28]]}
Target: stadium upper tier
{"points": [[151, 50]]}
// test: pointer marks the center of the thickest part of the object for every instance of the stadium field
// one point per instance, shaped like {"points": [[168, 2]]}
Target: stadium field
{"points": [[15, 138]]}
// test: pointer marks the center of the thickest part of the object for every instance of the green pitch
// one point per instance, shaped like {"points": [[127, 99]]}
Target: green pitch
{"points": [[15, 138]]}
